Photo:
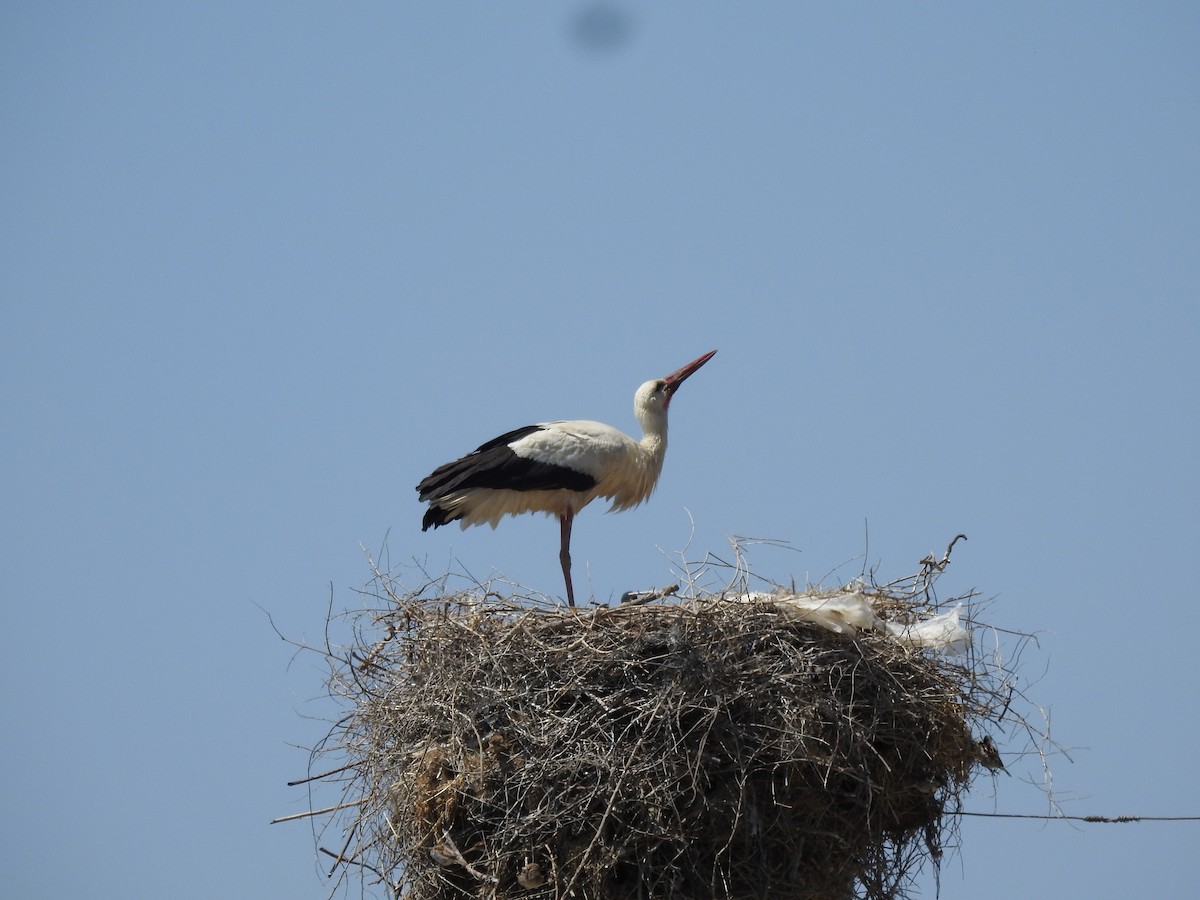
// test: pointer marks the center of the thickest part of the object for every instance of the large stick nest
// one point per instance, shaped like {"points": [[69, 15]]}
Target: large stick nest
{"points": [[684, 748]]}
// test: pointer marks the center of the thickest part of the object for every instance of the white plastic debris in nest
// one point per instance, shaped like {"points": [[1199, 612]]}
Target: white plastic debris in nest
{"points": [[944, 632], [849, 611]]}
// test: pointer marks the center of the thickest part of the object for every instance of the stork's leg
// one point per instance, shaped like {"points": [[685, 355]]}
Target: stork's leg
{"points": [[564, 554]]}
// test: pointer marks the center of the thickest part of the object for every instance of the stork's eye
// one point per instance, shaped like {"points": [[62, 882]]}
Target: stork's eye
{"points": [[660, 386]]}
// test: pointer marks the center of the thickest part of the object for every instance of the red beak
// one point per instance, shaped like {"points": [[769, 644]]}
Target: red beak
{"points": [[678, 377]]}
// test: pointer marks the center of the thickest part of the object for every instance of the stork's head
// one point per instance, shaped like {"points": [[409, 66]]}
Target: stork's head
{"points": [[652, 398]]}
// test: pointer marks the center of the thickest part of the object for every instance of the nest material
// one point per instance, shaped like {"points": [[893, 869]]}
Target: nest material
{"points": [[690, 749]]}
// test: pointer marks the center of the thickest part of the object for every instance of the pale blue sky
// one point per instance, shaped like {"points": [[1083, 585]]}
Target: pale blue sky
{"points": [[263, 266]]}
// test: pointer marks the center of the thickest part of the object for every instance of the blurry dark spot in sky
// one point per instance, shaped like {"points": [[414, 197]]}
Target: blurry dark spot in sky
{"points": [[601, 27]]}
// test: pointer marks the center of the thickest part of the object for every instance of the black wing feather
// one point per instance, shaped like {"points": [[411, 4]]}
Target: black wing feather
{"points": [[494, 465]]}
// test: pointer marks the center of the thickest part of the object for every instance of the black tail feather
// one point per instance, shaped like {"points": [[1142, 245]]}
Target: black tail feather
{"points": [[437, 516]]}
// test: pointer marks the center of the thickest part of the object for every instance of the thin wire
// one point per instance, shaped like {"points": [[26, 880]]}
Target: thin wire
{"points": [[1105, 820]]}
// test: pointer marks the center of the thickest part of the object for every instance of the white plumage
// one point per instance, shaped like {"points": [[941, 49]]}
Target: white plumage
{"points": [[557, 468]]}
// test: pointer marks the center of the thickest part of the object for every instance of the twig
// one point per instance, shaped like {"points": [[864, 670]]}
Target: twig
{"points": [[637, 598], [341, 857], [318, 812], [931, 564], [351, 861], [336, 771], [447, 848]]}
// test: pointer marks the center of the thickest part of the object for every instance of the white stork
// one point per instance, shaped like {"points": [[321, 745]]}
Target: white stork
{"points": [[557, 468]]}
